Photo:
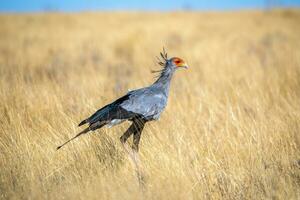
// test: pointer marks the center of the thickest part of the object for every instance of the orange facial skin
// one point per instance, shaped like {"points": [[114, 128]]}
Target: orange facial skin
{"points": [[179, 62]]}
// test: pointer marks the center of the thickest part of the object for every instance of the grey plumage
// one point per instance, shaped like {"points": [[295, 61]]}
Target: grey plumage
{"points": [[139, 106]]}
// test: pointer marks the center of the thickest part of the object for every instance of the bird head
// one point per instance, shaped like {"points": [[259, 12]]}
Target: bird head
{"points": [[178, 63], [172, 63]]}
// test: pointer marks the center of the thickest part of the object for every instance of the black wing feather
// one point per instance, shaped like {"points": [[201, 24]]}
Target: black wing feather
{"points": [[112, 111]]}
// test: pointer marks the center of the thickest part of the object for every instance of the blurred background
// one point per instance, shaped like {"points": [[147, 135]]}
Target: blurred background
{"points": [[231, 127], [166, 5]]}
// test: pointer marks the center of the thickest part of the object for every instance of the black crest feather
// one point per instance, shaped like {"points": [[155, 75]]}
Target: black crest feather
{"points": [[162, 60]]}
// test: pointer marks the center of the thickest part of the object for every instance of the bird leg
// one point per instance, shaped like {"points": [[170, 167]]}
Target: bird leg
{"points": [[124, 138], [136, 141], [127, 134], [135, 129], [137, 135]]}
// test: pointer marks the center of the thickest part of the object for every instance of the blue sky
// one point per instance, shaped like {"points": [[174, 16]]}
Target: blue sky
{"points": [[83, 5]]}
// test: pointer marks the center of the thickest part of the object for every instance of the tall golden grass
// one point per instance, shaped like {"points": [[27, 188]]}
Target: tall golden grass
{"points": [[231, 129]]}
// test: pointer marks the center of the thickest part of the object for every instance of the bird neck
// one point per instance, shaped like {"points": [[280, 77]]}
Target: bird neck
{"points": [[164, 80]]}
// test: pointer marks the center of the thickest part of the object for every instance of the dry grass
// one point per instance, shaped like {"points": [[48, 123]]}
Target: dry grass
{"points": [[230, 131]]}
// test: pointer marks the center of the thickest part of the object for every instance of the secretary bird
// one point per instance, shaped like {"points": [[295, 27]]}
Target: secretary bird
{"points": [[139, 106]]}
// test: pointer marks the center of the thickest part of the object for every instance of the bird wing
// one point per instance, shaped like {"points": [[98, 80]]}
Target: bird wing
{"points": [[146, 102], [110, 112]]}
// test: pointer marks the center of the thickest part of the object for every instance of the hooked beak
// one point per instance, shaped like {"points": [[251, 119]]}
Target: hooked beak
{"points": [[184, 65]]}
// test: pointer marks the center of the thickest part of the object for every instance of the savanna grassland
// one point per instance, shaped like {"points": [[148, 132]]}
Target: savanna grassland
{"points": [[231, 129]]}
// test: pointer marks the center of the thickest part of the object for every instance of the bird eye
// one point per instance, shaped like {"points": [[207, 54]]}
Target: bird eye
{"points": [[177, 61]]}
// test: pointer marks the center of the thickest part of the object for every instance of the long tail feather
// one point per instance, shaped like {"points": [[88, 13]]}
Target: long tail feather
{"points": [[82, 132], [83, 122]]}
